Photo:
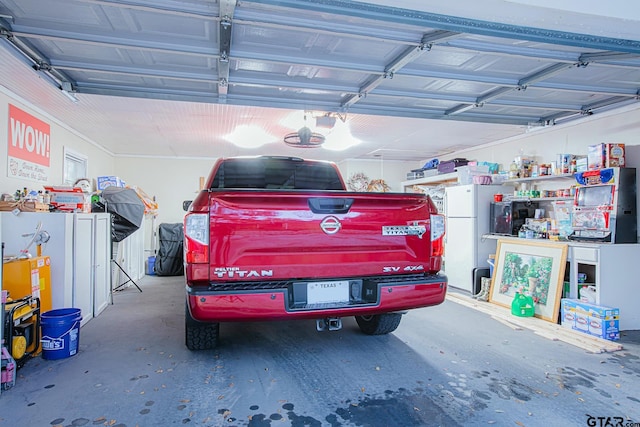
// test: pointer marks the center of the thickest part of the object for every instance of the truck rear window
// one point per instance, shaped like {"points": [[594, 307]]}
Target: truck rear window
{"points": [[276, 173]]}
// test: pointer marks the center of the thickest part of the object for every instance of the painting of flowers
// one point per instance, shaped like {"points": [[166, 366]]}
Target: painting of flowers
{"points": [[531, 268], [527, 274]]}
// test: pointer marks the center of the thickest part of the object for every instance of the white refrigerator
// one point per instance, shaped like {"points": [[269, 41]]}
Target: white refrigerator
{"points": [[467, 219]]}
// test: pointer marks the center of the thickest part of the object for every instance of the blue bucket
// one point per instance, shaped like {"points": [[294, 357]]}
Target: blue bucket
{"points": [[60, 333], [491, 263], [151, 266]]}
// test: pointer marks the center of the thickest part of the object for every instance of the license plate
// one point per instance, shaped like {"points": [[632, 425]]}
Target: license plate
{"points": [[325, 292]]}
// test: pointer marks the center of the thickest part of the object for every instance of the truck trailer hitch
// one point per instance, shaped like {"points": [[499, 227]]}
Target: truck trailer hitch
{"points": [[329, 324]]}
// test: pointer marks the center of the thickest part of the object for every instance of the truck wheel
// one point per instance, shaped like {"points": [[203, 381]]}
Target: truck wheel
{"points": [[200, 335], [379, 324]]}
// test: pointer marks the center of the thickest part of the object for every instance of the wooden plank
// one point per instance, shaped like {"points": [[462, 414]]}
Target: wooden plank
{"points": [[540, 327]]}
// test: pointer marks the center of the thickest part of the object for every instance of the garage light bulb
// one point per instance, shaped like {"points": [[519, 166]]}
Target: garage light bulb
{"points": [[249, 136]]}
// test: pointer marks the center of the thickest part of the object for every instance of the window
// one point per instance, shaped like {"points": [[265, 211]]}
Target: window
{"points": [[277, 173], [75, 166]]}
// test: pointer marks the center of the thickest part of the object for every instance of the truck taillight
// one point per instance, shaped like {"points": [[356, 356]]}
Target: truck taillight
{"points": [[196, 233], [437, 235]]}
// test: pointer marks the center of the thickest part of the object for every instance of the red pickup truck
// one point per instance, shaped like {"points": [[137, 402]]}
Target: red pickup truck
{"points": [[279, 238]]}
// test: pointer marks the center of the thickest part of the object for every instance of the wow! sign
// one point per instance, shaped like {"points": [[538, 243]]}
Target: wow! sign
{"points": [[29, 150]]}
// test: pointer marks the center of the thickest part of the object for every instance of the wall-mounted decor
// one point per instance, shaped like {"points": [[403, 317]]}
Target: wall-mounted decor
{"points": [[358, 182], [531, 268], [378, 186]]}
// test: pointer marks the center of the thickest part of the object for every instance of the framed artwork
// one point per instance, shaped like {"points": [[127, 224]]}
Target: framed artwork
{"points": [[532, 268]]}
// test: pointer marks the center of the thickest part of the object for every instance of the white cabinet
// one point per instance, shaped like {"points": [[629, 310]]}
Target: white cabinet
{"points": [[79, 251], [92, 282], [101, 263], [611, 268], [83, 242], [129, 254]]}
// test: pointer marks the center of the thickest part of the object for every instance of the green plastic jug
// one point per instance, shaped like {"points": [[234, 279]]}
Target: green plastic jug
{"points": [[522, 305]]}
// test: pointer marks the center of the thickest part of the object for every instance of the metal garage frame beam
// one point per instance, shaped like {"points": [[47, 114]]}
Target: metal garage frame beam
{"points": [[251, 18], [410, 54], [609, 57], [401, 16], [37, 61], [358, 68], [122, 42], [240, 80], [227, 8], [178, 8], [112, 41], [522, 85], [620, 59]]}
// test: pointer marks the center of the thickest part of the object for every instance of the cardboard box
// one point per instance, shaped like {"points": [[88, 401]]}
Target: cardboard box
{"points": [[596, 320], [24, 206], [582, 164], [69, 199], [605, 155], [103, 182]]}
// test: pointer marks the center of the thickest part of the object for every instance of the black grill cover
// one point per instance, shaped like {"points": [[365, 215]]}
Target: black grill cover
{"points": [[126, 209], [169, 261]]}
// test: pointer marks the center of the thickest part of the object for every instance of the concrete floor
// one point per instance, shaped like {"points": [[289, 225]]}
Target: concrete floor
{"points": [[447, 365]]}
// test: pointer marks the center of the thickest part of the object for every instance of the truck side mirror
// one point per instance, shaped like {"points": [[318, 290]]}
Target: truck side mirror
{"points": [[186, 204]]}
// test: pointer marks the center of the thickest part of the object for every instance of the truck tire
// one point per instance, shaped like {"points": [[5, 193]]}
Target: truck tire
{"points": [[199, 335], [379, 324]]}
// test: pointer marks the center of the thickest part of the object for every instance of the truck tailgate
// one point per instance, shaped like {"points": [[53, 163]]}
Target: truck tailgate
{"points": [[302, 234]]}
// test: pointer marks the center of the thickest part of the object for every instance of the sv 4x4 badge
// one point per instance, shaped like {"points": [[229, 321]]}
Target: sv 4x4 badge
{"points": [[407, 268]]}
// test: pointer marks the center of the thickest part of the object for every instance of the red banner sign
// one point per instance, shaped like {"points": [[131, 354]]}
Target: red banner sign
{"points": [[29, 137], [29, 146]]}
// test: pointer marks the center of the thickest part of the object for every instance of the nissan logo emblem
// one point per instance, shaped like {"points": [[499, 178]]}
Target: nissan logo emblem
{"points": [[330, 225]]}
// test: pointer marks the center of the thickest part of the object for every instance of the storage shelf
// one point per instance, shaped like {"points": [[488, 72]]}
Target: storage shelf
{"points": [[452, 178], [538, 178], [435, 179], [536, 199]]}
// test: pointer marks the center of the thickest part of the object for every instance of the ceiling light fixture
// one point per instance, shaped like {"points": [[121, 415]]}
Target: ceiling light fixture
{"points": [[340, 138], [327, 121], [249, 136]]}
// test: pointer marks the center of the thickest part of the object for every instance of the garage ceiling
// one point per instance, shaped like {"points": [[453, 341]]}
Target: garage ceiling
{"points": [[172, 78]]}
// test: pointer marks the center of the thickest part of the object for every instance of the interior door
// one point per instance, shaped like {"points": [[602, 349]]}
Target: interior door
{"points": [[83, 262], [102, 272]]}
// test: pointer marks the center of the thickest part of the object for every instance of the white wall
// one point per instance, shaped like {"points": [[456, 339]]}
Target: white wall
{"points": [[170, 180], [100, 161]]}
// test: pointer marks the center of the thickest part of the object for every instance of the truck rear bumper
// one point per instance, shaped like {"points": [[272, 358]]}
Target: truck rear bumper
{"points": [[288, 302]]}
